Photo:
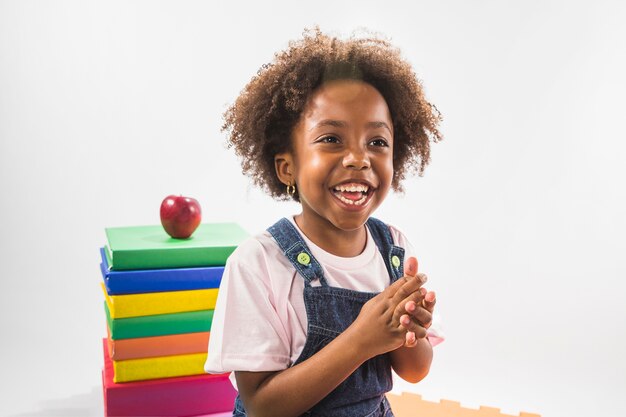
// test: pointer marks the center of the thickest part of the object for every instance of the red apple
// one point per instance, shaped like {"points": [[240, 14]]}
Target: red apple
{"points": [[180, 216]]}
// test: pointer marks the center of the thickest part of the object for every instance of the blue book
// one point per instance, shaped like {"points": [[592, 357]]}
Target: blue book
{"points": [[158, 280]]}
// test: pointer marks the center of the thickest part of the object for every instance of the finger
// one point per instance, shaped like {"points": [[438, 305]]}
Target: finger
{"points": [[410, 339], [421, 277], [410, 285], [414, 328], [411, 325], [422, 317], [429, 301], [410, 266], [405, 321], [394, 287], [409, 304]]}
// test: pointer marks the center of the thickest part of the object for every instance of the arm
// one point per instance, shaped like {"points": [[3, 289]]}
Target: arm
{"points": [[293, 391], [413, 363]]}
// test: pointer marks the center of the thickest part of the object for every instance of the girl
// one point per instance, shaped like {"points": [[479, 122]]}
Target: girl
{"points": [[313, 314]]}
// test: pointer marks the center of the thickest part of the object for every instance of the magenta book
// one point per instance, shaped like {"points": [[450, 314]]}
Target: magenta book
{"points": [[181, 396]]}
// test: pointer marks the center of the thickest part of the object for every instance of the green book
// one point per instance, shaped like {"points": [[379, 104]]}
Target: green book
{"points": [[149, 247], [158, 325]]}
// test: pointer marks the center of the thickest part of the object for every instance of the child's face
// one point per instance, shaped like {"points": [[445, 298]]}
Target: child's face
{"points": [[342, 161]]}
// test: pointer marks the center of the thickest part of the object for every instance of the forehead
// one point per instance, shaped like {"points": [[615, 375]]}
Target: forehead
{"points": [[347, 100]]}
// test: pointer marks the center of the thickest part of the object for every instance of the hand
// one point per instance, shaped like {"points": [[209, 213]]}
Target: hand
{"points": [[378, 328], [418, 317]]}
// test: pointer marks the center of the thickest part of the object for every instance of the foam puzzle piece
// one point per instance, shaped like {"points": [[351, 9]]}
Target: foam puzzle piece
{"points": [[412, 405]]}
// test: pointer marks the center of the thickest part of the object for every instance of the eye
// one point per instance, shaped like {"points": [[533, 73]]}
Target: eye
{"points": [[380, 142], [328, 139]]}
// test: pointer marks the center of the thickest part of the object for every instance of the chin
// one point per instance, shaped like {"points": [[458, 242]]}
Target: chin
{"points": [[349, 221]]}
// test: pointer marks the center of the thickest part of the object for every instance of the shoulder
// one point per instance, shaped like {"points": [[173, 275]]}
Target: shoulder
{"points": [[249, 245], [398, 235], [255, 257], [400, 239], [255, 249]]}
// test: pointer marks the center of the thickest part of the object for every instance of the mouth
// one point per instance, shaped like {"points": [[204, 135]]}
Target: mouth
{"points": [[353, 194]]}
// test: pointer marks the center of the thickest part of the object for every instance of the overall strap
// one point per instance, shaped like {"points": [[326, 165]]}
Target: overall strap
{"points": [[392, 254], [297, 251]]}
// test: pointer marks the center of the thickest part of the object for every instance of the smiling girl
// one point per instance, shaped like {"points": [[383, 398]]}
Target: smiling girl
{"points": [[313, 314]]}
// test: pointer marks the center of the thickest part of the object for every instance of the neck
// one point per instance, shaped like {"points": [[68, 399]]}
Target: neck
{"points": [[344, 243]]}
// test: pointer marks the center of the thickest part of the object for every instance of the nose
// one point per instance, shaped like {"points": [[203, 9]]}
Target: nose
{"points": [[356, 158]]}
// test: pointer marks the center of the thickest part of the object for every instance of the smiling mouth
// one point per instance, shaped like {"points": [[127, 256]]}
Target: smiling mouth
{"points": [[353, 194]]}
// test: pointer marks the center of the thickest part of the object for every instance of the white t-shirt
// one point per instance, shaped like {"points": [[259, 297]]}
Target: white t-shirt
{"points": [[260, 321]]}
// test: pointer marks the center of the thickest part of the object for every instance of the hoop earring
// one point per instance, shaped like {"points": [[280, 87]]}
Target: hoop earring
{"points": [[291, 189]]}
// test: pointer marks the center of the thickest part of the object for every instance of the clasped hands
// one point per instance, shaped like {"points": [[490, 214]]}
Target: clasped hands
{"points": [[399, 316], [418, 306]]}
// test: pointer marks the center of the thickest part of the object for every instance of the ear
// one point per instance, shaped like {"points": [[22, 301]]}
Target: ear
{"points": [[285, 167]]}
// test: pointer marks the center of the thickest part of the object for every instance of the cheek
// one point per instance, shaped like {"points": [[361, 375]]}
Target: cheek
{"points": [[386, 171], [315, 161], [313, 169], [312, 173]]}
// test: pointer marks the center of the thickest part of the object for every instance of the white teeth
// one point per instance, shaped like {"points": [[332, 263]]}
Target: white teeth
{"points": [[352, 188], [352, 202]]}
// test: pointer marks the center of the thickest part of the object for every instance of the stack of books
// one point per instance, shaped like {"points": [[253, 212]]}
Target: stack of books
{"points": [[160, 294]]}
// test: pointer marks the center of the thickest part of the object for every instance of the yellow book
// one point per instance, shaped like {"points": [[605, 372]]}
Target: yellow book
{"points": [[153, 303], [160, 367]]}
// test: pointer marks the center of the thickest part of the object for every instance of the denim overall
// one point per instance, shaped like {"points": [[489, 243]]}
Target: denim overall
{"points": [[330, 310]]}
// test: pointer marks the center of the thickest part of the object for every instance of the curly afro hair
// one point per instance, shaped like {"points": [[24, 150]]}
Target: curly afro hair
{"points": [[260, 122]]}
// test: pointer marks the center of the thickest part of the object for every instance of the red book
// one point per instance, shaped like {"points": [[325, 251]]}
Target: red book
{"points": [[167, 397]]}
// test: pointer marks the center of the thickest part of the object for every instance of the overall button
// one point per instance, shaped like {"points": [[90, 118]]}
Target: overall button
{"points": [[304, 258], [395, 261]]}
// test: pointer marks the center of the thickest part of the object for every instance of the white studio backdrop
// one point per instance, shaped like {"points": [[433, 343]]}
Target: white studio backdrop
{"points": [[107, 107]]}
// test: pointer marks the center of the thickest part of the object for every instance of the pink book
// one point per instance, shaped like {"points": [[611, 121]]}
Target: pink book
{"points": [[167, 397], [227, 414]]}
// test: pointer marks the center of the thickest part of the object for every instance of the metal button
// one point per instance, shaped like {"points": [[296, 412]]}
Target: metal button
{"points": [[395, 261]]}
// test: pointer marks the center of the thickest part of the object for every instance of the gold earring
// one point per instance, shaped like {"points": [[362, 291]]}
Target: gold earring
{"points": [[291, 189]]}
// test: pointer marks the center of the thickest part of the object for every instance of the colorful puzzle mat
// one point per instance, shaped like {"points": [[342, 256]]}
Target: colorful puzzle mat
{"points": [[412, 405]]}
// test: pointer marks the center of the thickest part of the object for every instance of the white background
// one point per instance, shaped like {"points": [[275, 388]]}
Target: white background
{"points": [[107, 107]]}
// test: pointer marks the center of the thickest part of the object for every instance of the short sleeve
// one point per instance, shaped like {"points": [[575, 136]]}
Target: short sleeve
{"points": [[247, 333], [435, 331]]}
